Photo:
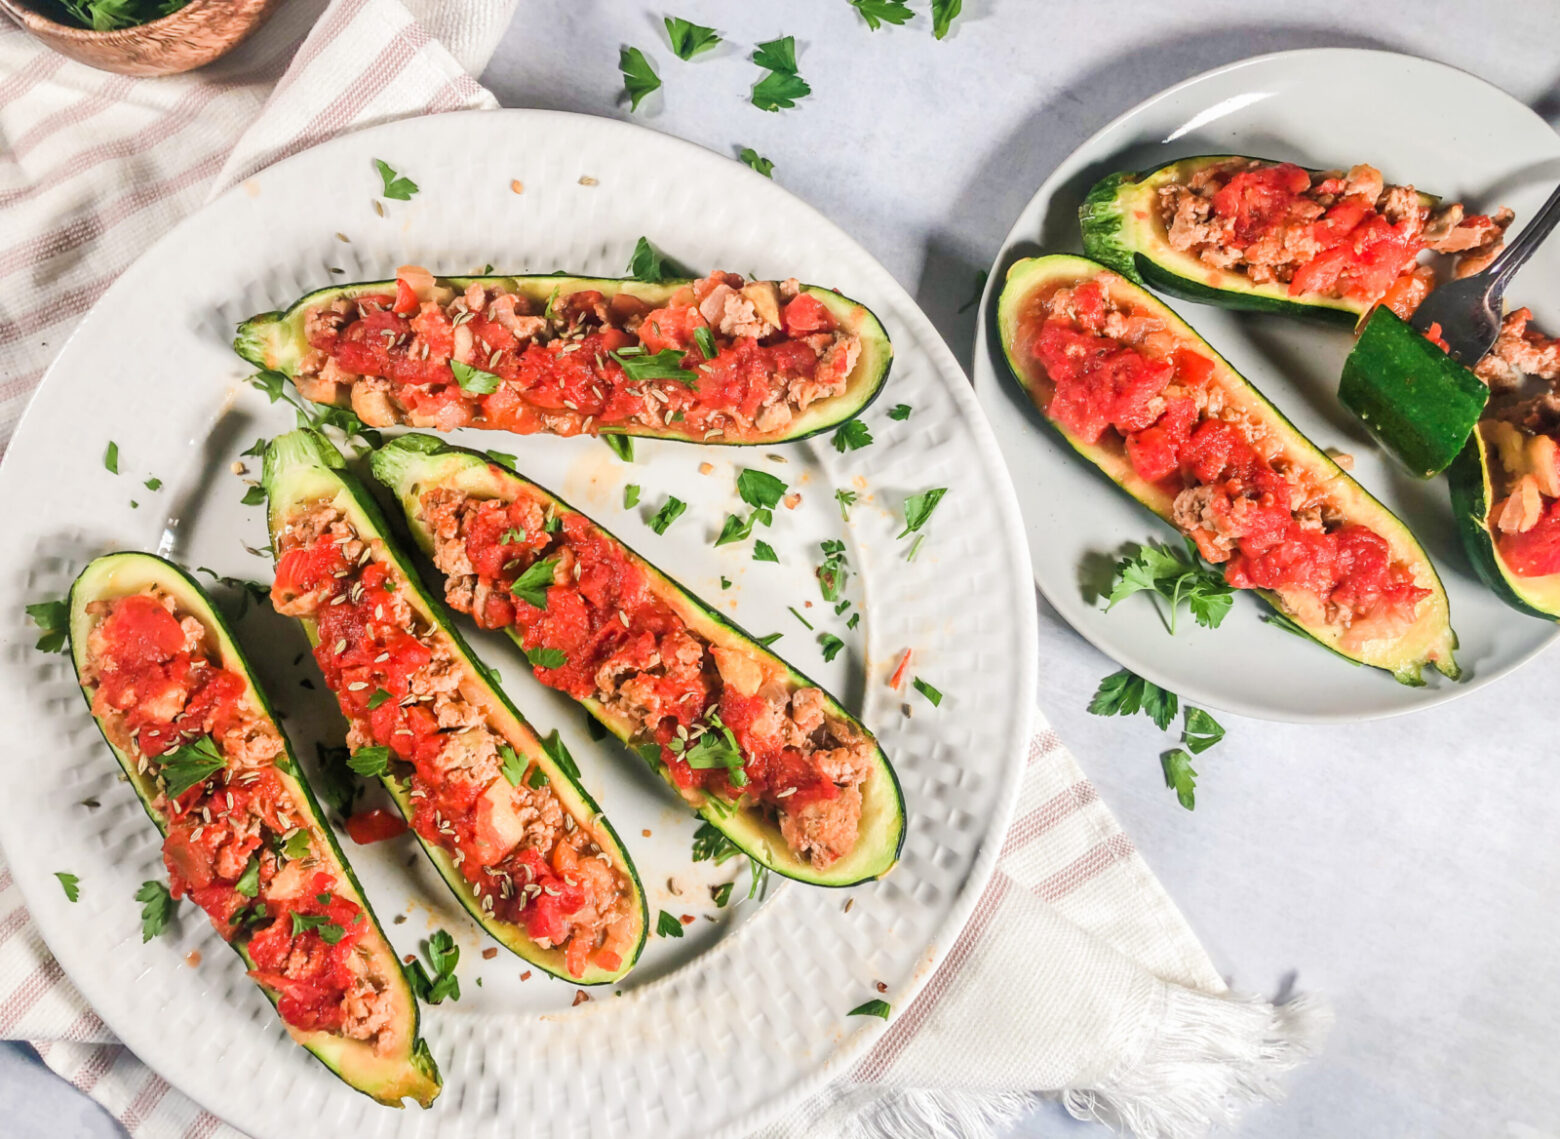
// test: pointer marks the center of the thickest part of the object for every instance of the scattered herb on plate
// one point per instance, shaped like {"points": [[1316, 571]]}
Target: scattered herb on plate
{"points": [[846, 499], [639, 78], [396, 187], [852, 435], [919, 507], [443, 954], [157, 906], [1125, 693], [758, 162], [111, 458], [53, 620], [944, 12], [872, 1008], [834, 571], [925, 688], [1180, 776], [900, 411], [670, 511], [70, 884], [645, 264], [764, 552], [831, 645], [622, 445], [689, 39], [879, 12], [667, 925], [630, 496]]}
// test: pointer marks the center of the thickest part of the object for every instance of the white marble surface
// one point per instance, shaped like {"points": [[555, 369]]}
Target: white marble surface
{"points": [[1404, 868]]}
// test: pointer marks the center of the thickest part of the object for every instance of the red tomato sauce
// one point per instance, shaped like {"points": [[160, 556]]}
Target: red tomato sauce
{"points": [[1534, 552], [1103, 386], [368, 658], [159, 695]]}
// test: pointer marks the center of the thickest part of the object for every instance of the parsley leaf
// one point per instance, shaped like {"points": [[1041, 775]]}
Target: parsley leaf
{"points": [[553, 745], [512, 766], [878, 12], [157, 906], [153, 483], [799, 617], [667, 925], [925, 689], [644, 264], [758, 162], [258, 449], [1124, 693], [764, 552], [944, 12], [70, 884], [900, 411], [1180, 776], [664, 365], [736, 529], [378, 698], [919, 507], [831, 645], [639, 78], [688, 39], [371, 761], [111, 458], [329, 931], [503, 459], [546, 658], [622, 445], [760, 488], [1164, 571], [777, 55], [531, 586], [297, 847], [710, 844], [630, 496], [396, 187], [834, 571], [670, 511], [475, 381], [872, 1008], [248, 883], [778, 91], [189, 764], [846, 499], [53, 618], [852, 436], [254, 496], [721, 894], [1200, 731], [537, 780], [706, 342], [717, 747], [769, 639], [443, 954]]}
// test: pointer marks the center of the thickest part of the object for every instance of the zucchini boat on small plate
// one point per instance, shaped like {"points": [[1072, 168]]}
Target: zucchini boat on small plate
{"points": [[763, 753], [720, 360], [1269, 236], [243, 837], [501, 813], [1138, 393]]}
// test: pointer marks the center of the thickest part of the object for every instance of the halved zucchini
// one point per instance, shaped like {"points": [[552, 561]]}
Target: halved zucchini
{"points": [[303, 469], [1418, 402], [1471, 483], [1123, 230], [405, 1069], [414, 464], [1429, 640], [276, 341]]}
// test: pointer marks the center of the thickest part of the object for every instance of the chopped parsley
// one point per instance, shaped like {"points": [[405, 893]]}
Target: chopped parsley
{"points": [[944, 12], [330, 933], [1163, 571], [157, 906], [664, 365], [1199, 730], [511, 537], [511, 764], [919, 507], [297, 846], [474, 381], [443, 954], [782, 86], [777, 55], [725, 582], [531, 586], [622, 445], [257, 449], [764, 552], [645, 264], [630, 496], [371, 761], [689, 39], [799, 617], [378, 698], [53, 619], [667, 925], [925, 689], [758, 162], [710, 844], [1125, 693], [254, 496], [760, 488], [872, 1008], [831, 645], [396, 187], [846, 499], [559, 754], [855, 619], [70, 884], [670, 511], [705, 339], [721, 894], [503, 459], [879, 12], [111, 458], [153, 483], [770, 639], [735, 529], [537, 780], [248, 883], [639, 78], [717, 747], [546, 658], [834, 570], [852, 435], [900, 411], [1180, 777], [189, 764]]}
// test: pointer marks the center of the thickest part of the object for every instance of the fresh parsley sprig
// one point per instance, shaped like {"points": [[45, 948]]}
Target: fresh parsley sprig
{"points": [[157, 906], [1164, 572], [782, 86], [189, 764], [1124, 693], [53, 620], [443, 954], [639, 78]]}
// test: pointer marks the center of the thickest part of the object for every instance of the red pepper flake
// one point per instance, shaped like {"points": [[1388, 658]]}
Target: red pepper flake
{"points": [[409, 958], [687, 919], [899, 671], [526, 976], [645, 832], [580, 996], [881, 987], [489, 953]]}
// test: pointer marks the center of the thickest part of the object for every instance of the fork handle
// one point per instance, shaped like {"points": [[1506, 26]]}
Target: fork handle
{"points": [[1532, 236]]}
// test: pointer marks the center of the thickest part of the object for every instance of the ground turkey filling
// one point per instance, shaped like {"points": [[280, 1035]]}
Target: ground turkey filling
{"points": [[1522, 429], [1329, 234], [1269, 522], [527, 859], [237, 844], [723, 358], [723, 721]]}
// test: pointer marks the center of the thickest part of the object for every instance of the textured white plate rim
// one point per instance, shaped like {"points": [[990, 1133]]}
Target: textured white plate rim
{"points": [[164, 1057], [987, 373]]}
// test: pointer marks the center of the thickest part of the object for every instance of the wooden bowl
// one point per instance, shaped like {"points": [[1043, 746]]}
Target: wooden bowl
{"points": [[196, 34]]}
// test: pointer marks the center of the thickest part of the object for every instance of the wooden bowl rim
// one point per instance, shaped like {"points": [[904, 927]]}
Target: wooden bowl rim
{"points": [[36, 21]]}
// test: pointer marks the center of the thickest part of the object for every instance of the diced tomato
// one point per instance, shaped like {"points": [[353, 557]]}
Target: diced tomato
{"points": [[405, 298], [1099, 384], [670, 327], [804, 314], [377, 825], [1535, 552], [1261, 198]]}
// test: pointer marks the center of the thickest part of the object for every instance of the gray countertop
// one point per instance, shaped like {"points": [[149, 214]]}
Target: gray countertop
{"points": [[1399, 867]]}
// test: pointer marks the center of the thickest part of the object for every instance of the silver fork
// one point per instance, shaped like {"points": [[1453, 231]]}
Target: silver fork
{"points": [[1469, 310]]}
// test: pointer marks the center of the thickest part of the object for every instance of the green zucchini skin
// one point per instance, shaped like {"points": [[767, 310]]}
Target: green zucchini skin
{"points": [[1471, 486], [302, 468], [276, 342], [411, 1071], [1419, 403], [412, 464], [1432, 641], [1121, 230]]}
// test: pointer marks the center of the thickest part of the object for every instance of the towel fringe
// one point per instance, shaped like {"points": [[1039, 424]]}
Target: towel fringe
{"points": [[920, 1113], [1211, 1058]]}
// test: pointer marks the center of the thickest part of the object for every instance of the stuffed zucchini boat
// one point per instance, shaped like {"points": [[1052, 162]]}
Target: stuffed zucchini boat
{"points": [[1138, 393], [243, 837], [759, 750], [1505, 485], [501, 814], [1254, 233], [720, 360]]}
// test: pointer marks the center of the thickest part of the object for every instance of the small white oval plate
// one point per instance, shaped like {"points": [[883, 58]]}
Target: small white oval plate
{"points": [[1441, 129], [714, 1032]]}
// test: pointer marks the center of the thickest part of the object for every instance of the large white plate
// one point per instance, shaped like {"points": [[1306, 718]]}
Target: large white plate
{"points": [[713, 1033], [1441, 129]]}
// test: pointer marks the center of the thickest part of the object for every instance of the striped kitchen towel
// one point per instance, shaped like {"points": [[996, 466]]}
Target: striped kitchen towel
{"points": [[1117, 1009]]}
